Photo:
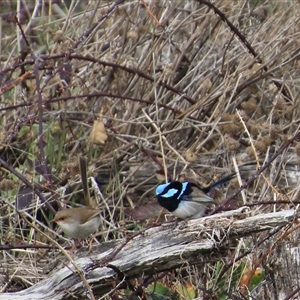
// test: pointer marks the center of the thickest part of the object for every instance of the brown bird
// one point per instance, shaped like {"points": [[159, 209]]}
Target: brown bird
{"points": [[78, 222]]}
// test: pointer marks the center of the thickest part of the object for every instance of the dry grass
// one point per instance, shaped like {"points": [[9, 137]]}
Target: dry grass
{"points": [[178, 92]]}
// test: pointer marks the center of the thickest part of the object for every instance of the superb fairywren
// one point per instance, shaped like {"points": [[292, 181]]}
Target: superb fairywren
{"points": [[78, 222], [187, 199]]}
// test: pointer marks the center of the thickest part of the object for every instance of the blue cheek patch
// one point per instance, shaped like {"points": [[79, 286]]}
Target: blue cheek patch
{"points": [[183, 189], [170, 193], [161, 188]]}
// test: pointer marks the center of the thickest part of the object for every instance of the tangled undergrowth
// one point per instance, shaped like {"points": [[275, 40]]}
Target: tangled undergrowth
{"points": [[146, 91]]}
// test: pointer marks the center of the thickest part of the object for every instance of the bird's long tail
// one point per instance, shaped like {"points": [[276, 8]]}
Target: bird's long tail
{"points": [[218, 183]]}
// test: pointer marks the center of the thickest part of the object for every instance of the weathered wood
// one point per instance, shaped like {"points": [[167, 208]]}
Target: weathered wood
{"points": [[154, 250]]}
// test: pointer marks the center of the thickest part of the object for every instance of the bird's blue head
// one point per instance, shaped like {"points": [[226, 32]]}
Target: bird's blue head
{"points": [[159, 190], [168, 190]]}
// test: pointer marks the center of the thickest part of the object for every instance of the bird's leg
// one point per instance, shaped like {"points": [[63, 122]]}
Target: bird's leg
{"points": [[91, 241], [175, 222], [182, 222], [76, 245]]}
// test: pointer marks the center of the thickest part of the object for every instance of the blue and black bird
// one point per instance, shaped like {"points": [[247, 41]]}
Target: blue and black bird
{"points": [[187, 199]]}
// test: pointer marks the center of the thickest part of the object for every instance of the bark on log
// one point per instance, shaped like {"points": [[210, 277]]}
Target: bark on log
{"points": [[154, 250]]}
